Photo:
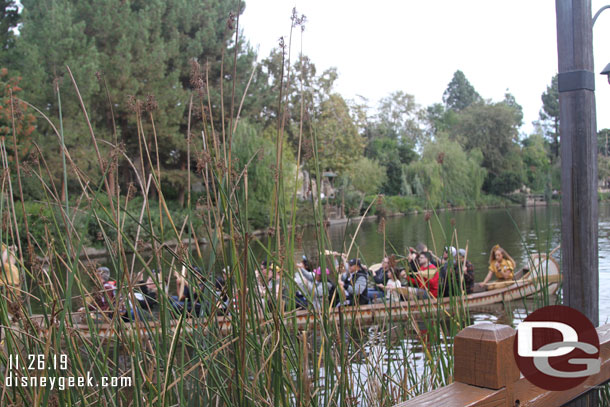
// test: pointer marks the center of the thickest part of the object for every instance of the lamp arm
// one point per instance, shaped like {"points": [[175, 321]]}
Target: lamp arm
{"points": [[598, 13]]}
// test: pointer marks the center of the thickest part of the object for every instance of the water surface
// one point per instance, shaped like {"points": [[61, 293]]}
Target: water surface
{"points": [[519, 230]]}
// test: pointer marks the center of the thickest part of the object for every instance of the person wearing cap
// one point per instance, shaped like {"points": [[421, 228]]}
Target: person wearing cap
{"points": [[355, 283], [446, 252]]}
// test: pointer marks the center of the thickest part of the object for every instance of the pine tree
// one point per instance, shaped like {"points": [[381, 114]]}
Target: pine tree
{"points": [[460, 93], [550, 114], [130, 58], [9, 19]]}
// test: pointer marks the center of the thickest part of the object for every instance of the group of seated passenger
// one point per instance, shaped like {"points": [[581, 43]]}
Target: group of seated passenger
{"points": [[423, 275]]}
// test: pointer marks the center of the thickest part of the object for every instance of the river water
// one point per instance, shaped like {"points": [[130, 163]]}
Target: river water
{"points": [[519, 230]]}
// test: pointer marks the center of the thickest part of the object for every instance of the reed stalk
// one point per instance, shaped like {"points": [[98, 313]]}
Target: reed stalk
{"points": [[253, 352]]}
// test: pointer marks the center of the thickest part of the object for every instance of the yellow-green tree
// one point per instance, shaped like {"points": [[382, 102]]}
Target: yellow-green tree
{"points": [[338, 141]]}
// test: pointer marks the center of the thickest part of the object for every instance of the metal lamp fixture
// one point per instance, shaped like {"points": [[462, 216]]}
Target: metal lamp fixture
{"points": [[606, 72]]}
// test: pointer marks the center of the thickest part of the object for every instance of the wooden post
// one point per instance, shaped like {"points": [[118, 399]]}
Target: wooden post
{"points": [[484, 370], [486, 375], [579, 211], [484, 356]]}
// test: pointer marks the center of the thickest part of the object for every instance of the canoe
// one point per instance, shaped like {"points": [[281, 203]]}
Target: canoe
{"points": [[360, 315], [543, 274], [540, 267]]}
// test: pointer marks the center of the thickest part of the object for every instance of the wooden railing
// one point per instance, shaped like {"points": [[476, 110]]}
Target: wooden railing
{"points": [[486, 374]]}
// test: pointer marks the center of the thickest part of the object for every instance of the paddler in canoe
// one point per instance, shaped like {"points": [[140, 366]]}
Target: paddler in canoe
{"points": [[501, 265], [424, 276], [9, 276]]}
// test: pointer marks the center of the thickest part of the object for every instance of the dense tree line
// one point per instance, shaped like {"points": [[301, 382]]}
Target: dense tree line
{"points": [[142, 66]]}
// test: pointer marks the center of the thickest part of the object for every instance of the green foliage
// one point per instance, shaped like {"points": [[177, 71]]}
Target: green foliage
{"points": [[257, 151], [493, 129], [460, 93], [394, 155], [506, 182], [301, 86], [510, 101], [603, 142], [338, 141], [403, 204], [603, 171], [366, 175], [549, 115], [397, 119], [9, 19], [439, 119], [17, 118], [39, 216], [536, 161], [129, 59], [392, 136], [448, 173], [91, 224]]}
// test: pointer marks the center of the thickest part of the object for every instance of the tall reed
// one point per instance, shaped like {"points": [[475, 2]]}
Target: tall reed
{"points": [[256, 351]]}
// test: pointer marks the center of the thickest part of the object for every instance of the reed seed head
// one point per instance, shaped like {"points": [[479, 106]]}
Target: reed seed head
{"points": [[440, 158], [231, 21], [151, 103]]}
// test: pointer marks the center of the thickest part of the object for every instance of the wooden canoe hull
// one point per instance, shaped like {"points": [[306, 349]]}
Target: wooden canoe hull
{"points": [[358, 315]]}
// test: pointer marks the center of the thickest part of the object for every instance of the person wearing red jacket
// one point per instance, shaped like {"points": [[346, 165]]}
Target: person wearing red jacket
{"points": [[425, 279]]}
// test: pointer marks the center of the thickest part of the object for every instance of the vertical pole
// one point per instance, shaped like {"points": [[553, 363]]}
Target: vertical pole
{"points": [[579, 215], [579, 209]]}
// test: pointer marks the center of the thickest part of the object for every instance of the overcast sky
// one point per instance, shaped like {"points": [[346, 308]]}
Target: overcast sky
{"points": [[416, 46]]}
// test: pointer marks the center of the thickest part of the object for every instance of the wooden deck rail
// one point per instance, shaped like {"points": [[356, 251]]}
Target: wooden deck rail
{"points": [[486, 374]]}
